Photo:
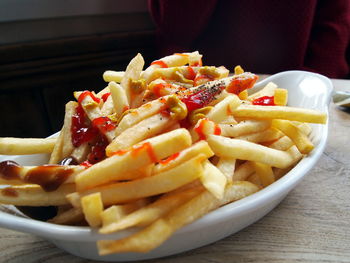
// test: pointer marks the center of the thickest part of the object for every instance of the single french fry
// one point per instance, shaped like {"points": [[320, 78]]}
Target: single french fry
{"points": [[283, 143], [175, 60], [270, 134], [229, 120], [69, 217], [295, 134], [224, 108], [92, 207], [21, 146], [238, 70], [227, 166], [120, 100], [146, 152], [56, 154], [244, 150], [255, 179], [34, 195], [268, 90], [107, 107], [64, 146], [153, 211], [265, 173], [132, 72], [146, 128], [81, 152], [244, 127], [278, 173], [280, 112], [200, 147], [134, 116], [213, 179], [155, 234], [304, 127], [243, 171], [280, 97], [115, 213], [148, 186], [116, 76]]}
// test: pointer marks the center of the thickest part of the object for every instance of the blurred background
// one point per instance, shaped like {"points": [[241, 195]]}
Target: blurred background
{"points": [[48, 49]]}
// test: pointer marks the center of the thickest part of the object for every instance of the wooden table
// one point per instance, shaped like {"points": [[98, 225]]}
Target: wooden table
{"points": [[311, 225]]}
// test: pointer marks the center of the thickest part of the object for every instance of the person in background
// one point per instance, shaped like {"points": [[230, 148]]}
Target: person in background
{"points": [[263, 36]]}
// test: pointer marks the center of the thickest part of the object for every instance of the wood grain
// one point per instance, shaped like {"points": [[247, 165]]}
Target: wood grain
{"points": [[311, 225]]}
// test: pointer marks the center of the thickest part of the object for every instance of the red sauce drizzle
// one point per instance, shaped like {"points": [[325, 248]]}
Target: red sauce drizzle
{"points": [[9, 170], [169, 159], [120, 152], [217, 129], [98, 150], [241, 83], [162, 100], [49, 177], [86, 164], [86, 93], [165, 113], [160, 63], [145, 147], [157, 89], [9, 191], [105, 96], [198, 64], [80, 130], [104, 124], [264, 101], [199, 129], [201, 98], [191, 74], [185, 123]]}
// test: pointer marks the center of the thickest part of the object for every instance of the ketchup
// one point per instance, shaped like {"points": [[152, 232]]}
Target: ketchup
{"points": [[191, 73], [98, 150], [145, 147], [86, 93], [264, 101], [105, 96], [169, 159], [201, 98], [241, 83], [81, 132], [160, 63], [104, 124]]}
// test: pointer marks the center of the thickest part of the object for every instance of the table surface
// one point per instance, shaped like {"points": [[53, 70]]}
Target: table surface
{"points": [[311, 225]]}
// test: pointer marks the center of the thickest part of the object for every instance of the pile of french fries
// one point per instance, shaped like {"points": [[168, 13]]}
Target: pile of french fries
{"points": [[158, 148]]}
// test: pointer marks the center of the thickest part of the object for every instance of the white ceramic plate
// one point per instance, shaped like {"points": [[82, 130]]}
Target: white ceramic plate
{"points": [[305, 89]]}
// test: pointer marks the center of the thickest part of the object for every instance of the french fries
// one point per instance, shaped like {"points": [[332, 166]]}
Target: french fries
{"points": [[160, 230], [158, 148]]}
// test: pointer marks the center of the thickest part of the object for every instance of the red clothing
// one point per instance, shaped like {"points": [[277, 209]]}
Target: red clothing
{"points": [[262, 36]]}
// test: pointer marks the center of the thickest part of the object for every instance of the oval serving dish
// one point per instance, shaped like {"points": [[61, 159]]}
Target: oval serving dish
{"points": [[305, 89]]}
